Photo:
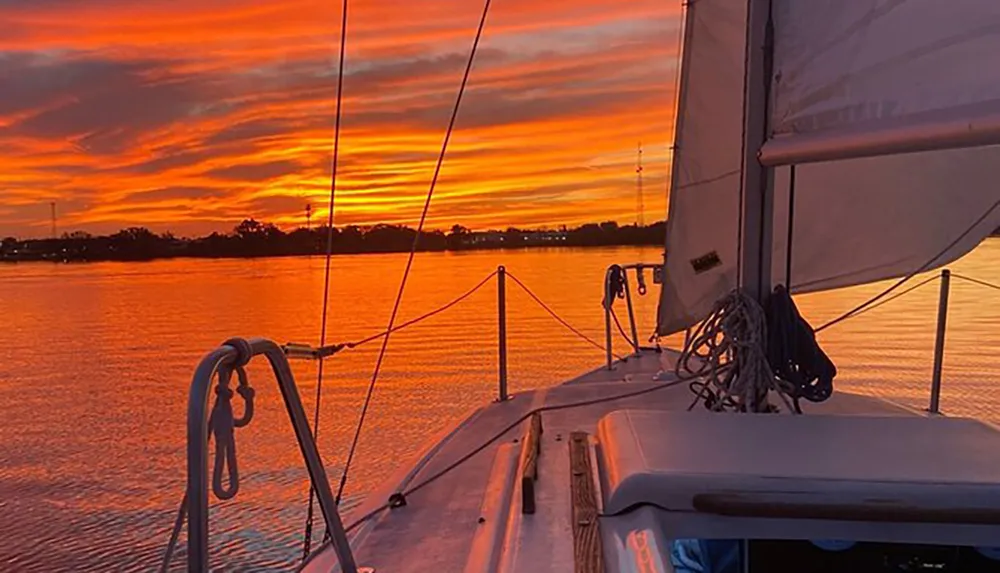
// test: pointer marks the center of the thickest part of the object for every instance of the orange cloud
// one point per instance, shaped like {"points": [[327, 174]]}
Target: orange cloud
{"points": [[189, 116]]}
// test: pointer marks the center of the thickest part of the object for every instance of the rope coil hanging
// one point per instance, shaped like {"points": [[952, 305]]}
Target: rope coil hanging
{"points": [[726, 353], [793, 353], [614, 286], [742, 354], [222, 424]]}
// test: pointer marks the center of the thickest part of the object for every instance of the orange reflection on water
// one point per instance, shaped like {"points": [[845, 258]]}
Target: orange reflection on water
{"points": [[96, 361]]}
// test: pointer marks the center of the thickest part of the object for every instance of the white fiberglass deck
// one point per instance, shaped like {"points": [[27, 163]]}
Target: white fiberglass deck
{"points": [[470, 518]]}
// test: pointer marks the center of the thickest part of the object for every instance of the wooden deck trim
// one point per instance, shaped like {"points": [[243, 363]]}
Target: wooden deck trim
{"points": [[530, 449], [587, 550]]}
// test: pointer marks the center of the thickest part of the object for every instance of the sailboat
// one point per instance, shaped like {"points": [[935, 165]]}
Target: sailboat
{"points": [[819, 144]]}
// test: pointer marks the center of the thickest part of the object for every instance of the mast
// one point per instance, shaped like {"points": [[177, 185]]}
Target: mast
{"points": [[757, 196]]}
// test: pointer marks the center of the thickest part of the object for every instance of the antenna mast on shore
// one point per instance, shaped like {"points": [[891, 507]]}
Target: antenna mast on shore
{"points": [[640, 215], [52, 206], [309, 211]]}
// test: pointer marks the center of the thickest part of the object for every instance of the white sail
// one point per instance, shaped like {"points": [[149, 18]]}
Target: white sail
{"points": [[870, 77], [863, 220], [705, 182], [855, 220]]}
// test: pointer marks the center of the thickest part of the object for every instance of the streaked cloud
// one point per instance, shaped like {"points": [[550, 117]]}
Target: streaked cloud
{"points": [[189, 116]]}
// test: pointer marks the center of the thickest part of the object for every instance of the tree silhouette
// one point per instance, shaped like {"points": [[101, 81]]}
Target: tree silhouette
{"points": [[253, 238]]}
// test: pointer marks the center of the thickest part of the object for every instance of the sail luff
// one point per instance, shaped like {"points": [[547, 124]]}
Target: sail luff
{"points": [[687, 29], [706, 166]]}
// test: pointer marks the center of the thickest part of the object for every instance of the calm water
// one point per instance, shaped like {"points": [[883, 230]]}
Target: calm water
{"points": [[96, 360]]}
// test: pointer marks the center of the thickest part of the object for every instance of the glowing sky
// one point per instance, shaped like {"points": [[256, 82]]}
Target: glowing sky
{"points": [[189, 115]]}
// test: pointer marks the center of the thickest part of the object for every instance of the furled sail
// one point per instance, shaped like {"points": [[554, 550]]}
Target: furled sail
{"points": [[871, 77], [855, 84]]}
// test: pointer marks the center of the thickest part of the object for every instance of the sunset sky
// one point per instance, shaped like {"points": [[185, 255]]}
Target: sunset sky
{"points": [[189, 115]]}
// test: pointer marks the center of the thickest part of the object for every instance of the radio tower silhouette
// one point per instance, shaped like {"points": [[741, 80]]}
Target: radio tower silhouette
{"points": [[640, 215]]}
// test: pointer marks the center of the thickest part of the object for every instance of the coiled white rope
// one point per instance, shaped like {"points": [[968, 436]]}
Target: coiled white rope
{"points": [[222, 424], [727, 353]]}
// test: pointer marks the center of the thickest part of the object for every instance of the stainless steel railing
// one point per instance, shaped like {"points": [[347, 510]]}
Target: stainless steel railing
{"points": [[502, 393], [942, 326], [224, 359], [638, 270]]}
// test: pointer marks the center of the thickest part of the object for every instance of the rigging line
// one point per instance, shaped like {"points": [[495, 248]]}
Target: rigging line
{"points": [[621, 330], [558, 318], [175, 534], [899, 294], [413, 250], [708, 180], [555, 407], [791, 229], [976, 281], [425, 316], [329, 256], [874, 306], [741, 191], [913, 273], [880, 303]]}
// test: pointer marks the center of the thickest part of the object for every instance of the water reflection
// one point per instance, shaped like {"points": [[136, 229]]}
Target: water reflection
{"points": [[96, 360]]}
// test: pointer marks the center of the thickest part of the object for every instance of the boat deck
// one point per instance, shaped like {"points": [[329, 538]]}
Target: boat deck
{"points": [[470, 518]]}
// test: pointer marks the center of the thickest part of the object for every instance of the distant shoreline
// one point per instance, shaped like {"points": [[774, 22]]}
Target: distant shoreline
{"points": [[6, 261], [252, 239]]}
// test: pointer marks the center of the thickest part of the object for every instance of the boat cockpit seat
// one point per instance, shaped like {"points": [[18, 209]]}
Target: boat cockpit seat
{"points": [[685, 482]]}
